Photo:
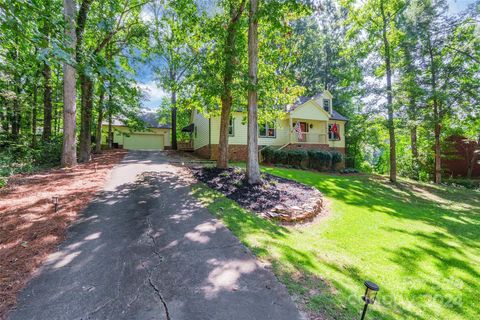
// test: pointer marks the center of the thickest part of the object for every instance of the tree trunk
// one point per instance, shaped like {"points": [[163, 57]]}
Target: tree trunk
{"points": [[34, 114], [47, 102], [174, 119], [56, 118], [438, 158], [98, 135], [230, 54], [413, 144], [110, 130], [253, 168], [4, 113], [388, 67], [86, 87], [69, 146], [436, 114], [17, 112]]}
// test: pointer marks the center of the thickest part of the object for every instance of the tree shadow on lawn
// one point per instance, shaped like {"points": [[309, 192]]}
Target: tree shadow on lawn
{"points": [[401, 202], [435, 255], [297, 269], [456, 288]]}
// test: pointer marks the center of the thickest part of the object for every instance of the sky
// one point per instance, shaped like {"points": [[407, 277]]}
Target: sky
{"points": [[146, 78]]}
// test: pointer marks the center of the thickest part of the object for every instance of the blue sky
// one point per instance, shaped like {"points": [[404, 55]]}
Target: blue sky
{"points": [[146, 78]]}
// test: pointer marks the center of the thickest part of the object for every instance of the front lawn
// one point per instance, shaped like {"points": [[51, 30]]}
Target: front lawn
{"points": [[420, 243]]}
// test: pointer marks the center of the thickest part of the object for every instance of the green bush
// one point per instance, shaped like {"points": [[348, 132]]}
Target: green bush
{"points": [[319, 159], [296, 157], [464, 182], [315, 159], [268, 154], [337, 157], [19, 156], [280, 156]]}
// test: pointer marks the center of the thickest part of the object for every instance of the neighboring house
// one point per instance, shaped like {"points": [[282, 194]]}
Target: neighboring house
{"points": [[311, 123], [155, 137], [461, 157]]}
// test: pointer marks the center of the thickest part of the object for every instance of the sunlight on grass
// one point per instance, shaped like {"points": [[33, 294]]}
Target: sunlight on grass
{"points": [[419, 242]]}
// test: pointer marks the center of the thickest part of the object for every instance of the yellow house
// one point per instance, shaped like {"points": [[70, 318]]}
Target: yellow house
{"points": [[155, 137], [311, 123]]}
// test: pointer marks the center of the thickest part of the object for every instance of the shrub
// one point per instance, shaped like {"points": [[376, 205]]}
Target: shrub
{"points": [[319, 159], [296, 157], [280, 156], [268, 154], [19, 156], [464, 182], [337, 157]]}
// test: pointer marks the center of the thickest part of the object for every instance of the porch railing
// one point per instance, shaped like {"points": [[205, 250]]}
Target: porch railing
{"points": [[185, 145], [308, 138]]}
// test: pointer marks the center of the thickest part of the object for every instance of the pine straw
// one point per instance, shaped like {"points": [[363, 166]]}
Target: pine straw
{"points": [[29, 227]]}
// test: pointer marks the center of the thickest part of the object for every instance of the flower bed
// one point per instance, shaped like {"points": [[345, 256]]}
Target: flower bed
{"points": [[275, 198]]}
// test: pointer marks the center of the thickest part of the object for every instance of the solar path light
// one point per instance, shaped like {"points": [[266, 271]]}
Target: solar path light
{"points": [[55, 202], [370, 296]]}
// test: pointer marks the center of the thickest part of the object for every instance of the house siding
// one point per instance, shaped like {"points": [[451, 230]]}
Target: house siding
{"points": [[202, 128], [311, 112], [239, 136]]}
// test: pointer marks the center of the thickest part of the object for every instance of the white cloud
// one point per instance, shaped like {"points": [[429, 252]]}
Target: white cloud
{"points": [[154, 94]]}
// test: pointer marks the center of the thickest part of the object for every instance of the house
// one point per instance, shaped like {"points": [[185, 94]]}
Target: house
{"points": [[461, 157], [311, 123], [155, 137]]}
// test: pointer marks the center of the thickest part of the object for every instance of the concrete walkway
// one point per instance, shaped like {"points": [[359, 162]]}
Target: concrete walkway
{"points": [[146, 249]]}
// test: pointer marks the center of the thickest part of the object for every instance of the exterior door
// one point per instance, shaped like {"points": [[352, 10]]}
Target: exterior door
{"points": [[304, 129]]}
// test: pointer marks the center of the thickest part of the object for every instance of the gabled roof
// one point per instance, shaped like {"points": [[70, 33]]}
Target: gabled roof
{"points": [[337, 116], [302, 100], [151, 120]]}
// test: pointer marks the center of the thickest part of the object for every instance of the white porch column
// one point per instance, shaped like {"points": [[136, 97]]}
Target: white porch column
{"points": [[290, 126]]}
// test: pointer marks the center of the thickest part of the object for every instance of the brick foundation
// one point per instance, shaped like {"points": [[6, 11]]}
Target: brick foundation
{"points": [[236, 152], [203, 152]]}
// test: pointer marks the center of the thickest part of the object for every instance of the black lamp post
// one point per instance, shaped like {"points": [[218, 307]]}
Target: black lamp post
{"points": [[55, 202], [370, 295]]}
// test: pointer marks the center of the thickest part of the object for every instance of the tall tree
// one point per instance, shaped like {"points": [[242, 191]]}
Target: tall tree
{"points": [[230, 56], [109, 22], [374, 23], [69, 146], [253, 169], [47, 73], [175, 43]]}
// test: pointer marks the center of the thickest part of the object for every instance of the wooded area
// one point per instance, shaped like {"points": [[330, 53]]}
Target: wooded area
{"points": [[405, 73]]}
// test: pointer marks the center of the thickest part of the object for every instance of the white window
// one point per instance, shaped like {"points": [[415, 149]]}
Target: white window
{"points": [[326, 105], [267, 130], [231, 127]]}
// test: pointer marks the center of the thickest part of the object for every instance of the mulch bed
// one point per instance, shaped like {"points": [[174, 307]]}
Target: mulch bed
{"points": [[29, 227], [275, 197]]}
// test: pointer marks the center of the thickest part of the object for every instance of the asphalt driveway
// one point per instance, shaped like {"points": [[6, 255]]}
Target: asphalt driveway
{"points": [[146, 249]]}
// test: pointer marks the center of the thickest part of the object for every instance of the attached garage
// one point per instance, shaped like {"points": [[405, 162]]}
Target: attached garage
{"points": [[156, 136], [139, 141]]}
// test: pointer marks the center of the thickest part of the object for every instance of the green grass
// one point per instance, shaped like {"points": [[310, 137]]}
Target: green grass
{"points": [[420, 243]]}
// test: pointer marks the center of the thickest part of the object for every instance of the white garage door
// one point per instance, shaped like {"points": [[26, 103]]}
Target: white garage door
{"points": [[138, 141]]}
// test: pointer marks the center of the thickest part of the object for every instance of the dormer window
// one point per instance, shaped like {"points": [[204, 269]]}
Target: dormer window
{"points": [[326, 105]]}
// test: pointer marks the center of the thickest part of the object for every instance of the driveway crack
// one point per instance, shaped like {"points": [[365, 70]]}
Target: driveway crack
{"points": [[159, 295], [152, 237]]}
